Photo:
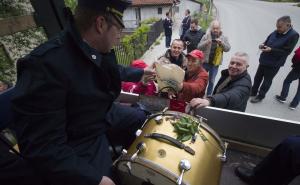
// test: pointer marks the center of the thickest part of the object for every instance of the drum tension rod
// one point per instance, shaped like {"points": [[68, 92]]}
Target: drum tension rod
{"points": [[223, 157]]}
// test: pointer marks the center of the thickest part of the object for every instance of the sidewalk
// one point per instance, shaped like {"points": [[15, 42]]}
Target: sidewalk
{"points": [[156, 51]]}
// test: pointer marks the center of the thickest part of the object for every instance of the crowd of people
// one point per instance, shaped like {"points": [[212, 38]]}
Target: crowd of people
{"points": [[274, 52], [66, 141]]}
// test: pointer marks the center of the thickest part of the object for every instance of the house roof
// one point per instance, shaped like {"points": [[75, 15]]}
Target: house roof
{"points": [[151, 2]]}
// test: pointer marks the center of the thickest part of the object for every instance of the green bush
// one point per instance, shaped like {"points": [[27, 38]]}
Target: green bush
{"points": [[71, 3], [203, 19], [150, 20], [135, 44], [7, 67]]}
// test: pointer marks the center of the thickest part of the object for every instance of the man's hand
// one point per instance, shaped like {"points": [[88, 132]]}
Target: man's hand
{"points": [[219, 41], [199, 102], [171, 94], [106, 181], [266, 49], [149, 71]]}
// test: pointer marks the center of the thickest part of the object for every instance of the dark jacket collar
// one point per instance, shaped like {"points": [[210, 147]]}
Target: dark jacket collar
{"points": [[91, 54]]}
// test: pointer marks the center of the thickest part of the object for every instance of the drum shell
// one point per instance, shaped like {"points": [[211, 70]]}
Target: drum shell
{"points": [[163, 157]]}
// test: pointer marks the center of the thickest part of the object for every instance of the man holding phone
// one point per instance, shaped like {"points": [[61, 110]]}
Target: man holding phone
{"points": [[278, 45]]}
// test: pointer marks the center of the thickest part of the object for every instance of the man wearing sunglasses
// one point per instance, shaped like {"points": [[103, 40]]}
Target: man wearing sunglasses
{"points": [[64, 91]]}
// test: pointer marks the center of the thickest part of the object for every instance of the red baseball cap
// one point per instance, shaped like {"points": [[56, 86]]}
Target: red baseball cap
{"points": [[196, 54], [139, 64]]}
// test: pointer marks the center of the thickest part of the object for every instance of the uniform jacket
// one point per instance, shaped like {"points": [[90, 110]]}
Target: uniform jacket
{"points": [[186, 23], [194, 86], [206, 47], [63, 92], [235, 94], [282, 45], [168, 26]]}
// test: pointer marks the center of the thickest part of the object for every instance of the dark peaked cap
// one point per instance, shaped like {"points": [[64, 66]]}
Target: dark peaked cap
{"points": [[115, 7]]}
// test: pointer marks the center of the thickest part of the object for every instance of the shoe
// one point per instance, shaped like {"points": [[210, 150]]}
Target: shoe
{"points": [[253, 94], [256, 99], [245, 174], [280, 99], [292, 107]]}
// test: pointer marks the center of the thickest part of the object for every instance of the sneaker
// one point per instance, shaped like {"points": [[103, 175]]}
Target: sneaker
{"points": [[256, 99], [292, 107], [280, 99]]}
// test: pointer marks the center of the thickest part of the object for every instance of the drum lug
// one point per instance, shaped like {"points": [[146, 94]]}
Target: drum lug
{"points": [[165, 110], [124, 152], [201, 119], [140, 147], [184, 165], [138, 132], [223, 157], [159, 119]]}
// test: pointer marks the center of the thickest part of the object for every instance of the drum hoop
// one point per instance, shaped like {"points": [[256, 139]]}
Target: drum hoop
{"points": [[153, 166], [204, 125]]}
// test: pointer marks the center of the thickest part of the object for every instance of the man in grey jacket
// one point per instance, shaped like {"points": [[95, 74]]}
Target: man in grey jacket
{"points": [[213, 44]]}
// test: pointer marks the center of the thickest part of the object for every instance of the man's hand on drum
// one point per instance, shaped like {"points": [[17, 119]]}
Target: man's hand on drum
{"points": [[106, 181], [172, 94], [199, 102]]}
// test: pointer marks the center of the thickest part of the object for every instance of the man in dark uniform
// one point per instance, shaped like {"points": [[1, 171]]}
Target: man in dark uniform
{"points": [[64, 91], [168, 23]]}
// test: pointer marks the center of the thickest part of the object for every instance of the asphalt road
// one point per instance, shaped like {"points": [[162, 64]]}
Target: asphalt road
{"points": [[247, 23]]}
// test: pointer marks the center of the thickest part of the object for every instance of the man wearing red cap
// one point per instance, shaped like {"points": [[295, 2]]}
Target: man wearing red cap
{"points": [[65, 93], [233, 89], [195, 79]]}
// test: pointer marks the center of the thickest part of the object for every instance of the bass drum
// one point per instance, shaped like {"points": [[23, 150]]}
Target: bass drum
{"points": [[157, 161]]}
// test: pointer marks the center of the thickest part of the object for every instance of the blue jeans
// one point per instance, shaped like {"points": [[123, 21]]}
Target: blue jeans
{"points": [[293, 75], [212, 72]]}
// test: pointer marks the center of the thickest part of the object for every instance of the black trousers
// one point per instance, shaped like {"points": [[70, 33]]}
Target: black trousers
{"points": [[124, 121], [282, 165], [16, 171], [263, 79]]}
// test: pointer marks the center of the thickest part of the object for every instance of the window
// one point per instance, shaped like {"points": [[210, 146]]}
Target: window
{"points": [[159, 10], [176, 9]]}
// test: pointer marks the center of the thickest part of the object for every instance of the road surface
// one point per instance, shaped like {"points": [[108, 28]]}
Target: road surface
{"points": [[247, 23]]}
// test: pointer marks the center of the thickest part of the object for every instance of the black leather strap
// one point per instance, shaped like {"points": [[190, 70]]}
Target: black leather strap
{"points": [[171, 140]]}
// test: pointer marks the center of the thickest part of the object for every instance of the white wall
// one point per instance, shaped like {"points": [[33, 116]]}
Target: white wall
{"points": [[147, 12], [129, 18], [186, 4]]}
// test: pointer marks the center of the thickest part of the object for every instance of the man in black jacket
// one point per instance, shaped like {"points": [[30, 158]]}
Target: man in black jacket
{"points": [[275, 50], [233, 89], [193, 36], [168, 23], [64, 91], [186, 23]]}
